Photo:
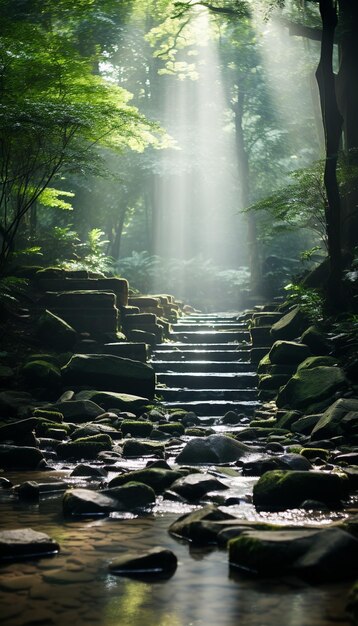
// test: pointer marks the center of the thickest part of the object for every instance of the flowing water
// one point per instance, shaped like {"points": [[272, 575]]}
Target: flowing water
{"points": [[75, 588]]}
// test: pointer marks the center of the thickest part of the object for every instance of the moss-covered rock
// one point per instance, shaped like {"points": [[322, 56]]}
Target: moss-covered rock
{"points": [[54, 332], [108, 372], [332, 421], [281, 489], [132, 495], [290, 325], [42, 374], [157, 478], [317, 361], [52, 416], [190, 525], [315, 340], [84, 449], [43, 426], [288, 419], [319, 555], [112, 400], [288, 353], [308, 386], [305, 424], [313, 453], [135, 448], [136, 428], [250, 434], [172, 428]]}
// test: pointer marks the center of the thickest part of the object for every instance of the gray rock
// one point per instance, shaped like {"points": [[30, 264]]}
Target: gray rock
{"points": [[194, 486], [290, 325], [288, 353], [212, 449], [331, 422], [132, 495], [157, 478], [154, 562], [190, 525], [88, 470], [77, 411], [25, 543], [78, 502]]}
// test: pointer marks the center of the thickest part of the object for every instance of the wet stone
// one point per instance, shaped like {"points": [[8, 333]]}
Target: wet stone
{"points": [[154, 562], [25, 542]]}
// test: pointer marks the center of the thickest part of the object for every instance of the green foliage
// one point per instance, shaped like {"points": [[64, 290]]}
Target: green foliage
{"points": [[310, 300]]}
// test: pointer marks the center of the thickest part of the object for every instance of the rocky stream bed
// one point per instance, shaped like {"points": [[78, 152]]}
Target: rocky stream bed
{"points": [[218, 504]]}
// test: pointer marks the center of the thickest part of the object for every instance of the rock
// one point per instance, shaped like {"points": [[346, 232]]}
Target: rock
{"points": [[194, 486], [20, 457], [154, 562], [88, 470], [259, 433], [55, 333], [24, 543], [213, 449], [294, 462], [86, 502], [42, 374], [315, 340], [78, 411], [175, 429], [157, 478], [328, 555], [260, 466], [290, 325], [313, 453], [331, 422], [317, 361], [352, 604], [15, 403], [87, 448], [111, 400], [280, 489], [189, 526], [310, 386], [305, 424], [131, 495], [135, 448], [6, 373], [231, 417], [136, 428], [32, 490], [108, 372], [288, 352], [288, 419], [91, 429], [17, 431]]}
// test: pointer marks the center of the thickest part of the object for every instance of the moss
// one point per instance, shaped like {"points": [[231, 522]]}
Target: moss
{"points": [[53, 416], [172, 428], [101, 438], [270, 422], [43, 426], [317, 361], [136, 428], [312, 453], [157, 478]]}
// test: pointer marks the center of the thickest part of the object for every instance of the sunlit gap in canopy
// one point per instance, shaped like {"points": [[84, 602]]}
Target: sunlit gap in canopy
{"points": [[197, 197], [289, 63]]}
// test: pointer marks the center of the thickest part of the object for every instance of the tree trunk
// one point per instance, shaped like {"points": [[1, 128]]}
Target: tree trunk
{"points": [[332, 121], [347, 96]]}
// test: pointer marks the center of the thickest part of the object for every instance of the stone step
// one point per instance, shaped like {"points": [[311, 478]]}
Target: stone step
{"points": [[200, 366], [213, 336], [187, 395], [207, 326], [216, 407], [184, 346], [209, 380], [210, 355]]}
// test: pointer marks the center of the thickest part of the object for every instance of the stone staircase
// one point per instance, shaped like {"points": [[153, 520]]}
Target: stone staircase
{"points": [[205, 367]]}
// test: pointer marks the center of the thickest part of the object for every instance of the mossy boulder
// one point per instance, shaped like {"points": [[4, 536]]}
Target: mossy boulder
{"points": [[55, 333], [309, 386], [172, 428], [280, 489], [288, 353], [78, 411], [290, 325], [157, 478], [132, 495], [135, 448], [272, 382], [288, 419], [305, 424], [319, 555], [77, 502], [43, 426], [136, 428], [85, 449], [315, 340], [334, 420], [108, 372], [42, 374], [317, 361], [112, 400], [314, 453], [52, 416]]}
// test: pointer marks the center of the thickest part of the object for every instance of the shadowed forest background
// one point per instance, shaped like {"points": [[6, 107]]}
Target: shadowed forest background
{"points": [[182, 145]]}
